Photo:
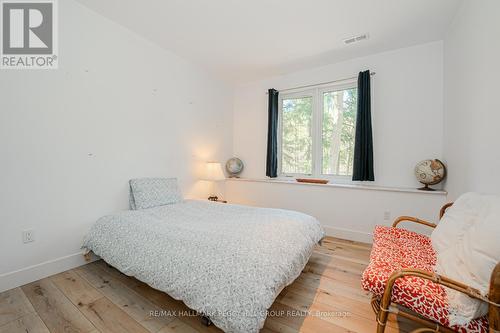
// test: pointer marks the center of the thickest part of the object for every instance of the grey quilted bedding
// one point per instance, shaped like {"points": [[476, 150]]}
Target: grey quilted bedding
{"points": [[226, 261]]}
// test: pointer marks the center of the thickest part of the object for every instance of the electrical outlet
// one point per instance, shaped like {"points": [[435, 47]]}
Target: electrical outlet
{"points": [[387, 215], [28, 236]]}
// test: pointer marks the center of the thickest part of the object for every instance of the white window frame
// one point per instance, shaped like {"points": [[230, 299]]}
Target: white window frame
{"points": [[316, 94]]}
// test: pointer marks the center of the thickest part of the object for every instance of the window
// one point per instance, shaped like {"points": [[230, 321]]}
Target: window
{"points": [[316, 131]]}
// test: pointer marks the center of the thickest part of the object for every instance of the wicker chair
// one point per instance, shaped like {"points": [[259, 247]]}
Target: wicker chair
{"points": [[383, 305]]}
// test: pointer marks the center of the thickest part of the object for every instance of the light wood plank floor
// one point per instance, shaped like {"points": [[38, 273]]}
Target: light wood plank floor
{"points": [[326, 297]]}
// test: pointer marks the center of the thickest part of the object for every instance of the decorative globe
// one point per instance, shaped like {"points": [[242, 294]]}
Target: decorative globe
{"points": [[234, 166], [430, 172]]}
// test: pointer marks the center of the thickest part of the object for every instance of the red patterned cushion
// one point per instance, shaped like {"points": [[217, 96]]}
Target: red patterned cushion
{"points": [[394, 249]]}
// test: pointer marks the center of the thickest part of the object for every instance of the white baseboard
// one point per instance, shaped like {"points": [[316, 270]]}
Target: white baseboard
{"points": [[39, 271], [358, 236]]}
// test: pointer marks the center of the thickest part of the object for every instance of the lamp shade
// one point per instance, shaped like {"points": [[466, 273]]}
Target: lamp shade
{"points": [[214, 171]]}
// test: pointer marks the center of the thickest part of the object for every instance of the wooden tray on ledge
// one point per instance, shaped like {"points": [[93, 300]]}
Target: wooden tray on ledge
{"points": [[312, 180]]}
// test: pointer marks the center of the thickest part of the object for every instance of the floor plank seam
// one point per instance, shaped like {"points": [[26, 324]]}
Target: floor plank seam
{"points": [[34, 308], [76, 305]]}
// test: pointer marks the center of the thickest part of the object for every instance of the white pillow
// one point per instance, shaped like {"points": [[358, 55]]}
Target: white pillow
{"points": [[468, 209], [471, 258], [152, 192]]}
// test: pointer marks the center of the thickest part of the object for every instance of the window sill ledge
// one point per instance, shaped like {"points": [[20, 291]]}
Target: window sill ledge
{"points": [[338, 185]]}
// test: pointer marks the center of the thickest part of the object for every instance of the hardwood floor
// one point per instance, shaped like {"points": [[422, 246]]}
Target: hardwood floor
{"points": [[326, 297]]}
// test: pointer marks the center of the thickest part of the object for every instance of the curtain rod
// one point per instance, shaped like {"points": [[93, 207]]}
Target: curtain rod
{"points": [[320, 84]]}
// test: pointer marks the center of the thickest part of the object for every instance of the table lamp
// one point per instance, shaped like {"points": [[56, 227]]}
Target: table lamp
{"points": [[214, 173]]}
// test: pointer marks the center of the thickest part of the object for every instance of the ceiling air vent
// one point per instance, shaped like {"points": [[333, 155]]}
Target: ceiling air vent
{"points": [[355, 39]]}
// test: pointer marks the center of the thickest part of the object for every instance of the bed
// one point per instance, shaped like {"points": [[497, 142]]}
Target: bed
{"points": [[228, 262]]}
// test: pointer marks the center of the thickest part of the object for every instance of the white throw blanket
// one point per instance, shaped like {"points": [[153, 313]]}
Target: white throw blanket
{"points": [[467, 245], [226, 261]]}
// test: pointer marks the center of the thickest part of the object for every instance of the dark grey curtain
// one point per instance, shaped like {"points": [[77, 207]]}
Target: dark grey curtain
{"points": [[363, 146], [272, 135]]}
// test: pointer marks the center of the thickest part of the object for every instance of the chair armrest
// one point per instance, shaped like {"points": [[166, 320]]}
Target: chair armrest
{"points": [[412, 219], [492, 299], [419, 221], [436, 278], [431, 276], [444, 208]]}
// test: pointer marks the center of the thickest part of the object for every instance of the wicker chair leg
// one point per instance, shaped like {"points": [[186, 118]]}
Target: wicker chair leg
{"points": [[380, 315], [381, 321], [383, 313]]}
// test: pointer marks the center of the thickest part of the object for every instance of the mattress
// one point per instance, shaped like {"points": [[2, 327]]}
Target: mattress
{"points": [[228, 262]]}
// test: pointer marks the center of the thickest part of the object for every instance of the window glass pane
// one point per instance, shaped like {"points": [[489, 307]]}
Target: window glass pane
{"points": [[339, 120], [296, 143]]}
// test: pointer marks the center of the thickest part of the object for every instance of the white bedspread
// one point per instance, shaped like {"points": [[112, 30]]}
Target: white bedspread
{"points": [[226, 261]]}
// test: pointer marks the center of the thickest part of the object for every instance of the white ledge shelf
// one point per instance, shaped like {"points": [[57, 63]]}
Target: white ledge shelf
{"points": [[340, 185]]}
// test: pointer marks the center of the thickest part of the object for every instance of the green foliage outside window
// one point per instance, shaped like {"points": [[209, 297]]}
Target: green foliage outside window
{"points": [[297, 139], [339, 121], [337, 133]]}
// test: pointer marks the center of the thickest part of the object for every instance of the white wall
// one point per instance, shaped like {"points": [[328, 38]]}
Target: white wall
{"points": [[136, 108], [407, 103], [407, 113], [120, 107], [472, 105]]}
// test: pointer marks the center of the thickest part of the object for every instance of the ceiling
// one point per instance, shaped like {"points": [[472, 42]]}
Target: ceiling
{"points": [[244, 40]]}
